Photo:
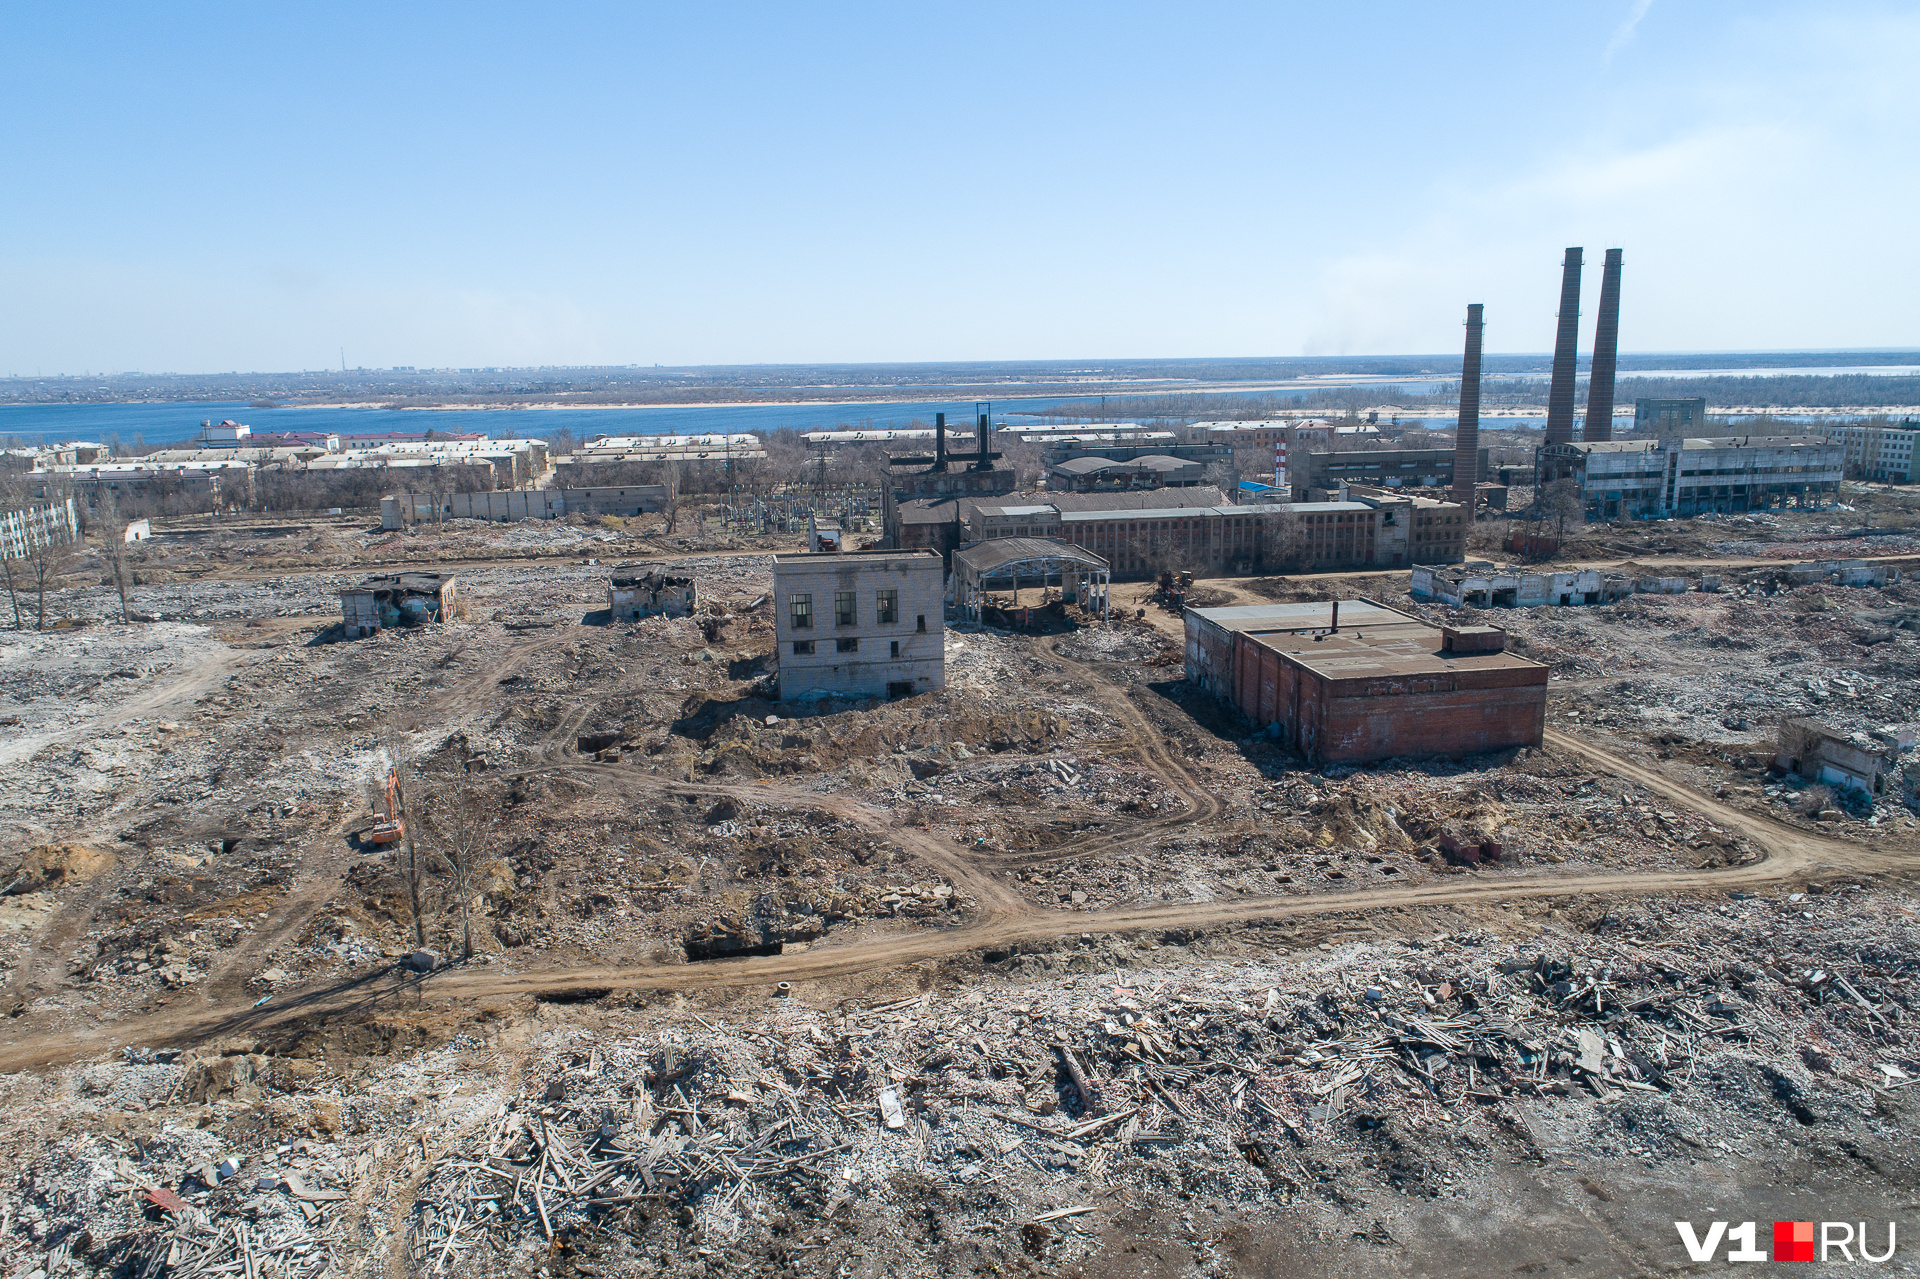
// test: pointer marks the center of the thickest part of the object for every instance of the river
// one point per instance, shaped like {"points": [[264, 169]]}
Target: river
{"points": [[176, 423]]}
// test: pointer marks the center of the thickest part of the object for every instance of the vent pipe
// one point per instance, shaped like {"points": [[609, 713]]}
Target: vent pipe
{"points": [[1606, 351], [1334, 625], [1566, 354], [1466, 435], [939, 441]]}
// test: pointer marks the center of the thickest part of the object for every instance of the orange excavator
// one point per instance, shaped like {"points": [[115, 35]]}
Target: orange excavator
{"points": [[389, 829]]}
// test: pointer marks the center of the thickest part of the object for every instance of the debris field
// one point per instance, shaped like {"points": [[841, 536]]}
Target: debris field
{"points": [[1062, 969]]}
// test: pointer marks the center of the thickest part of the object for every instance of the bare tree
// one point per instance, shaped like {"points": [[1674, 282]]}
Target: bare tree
{"points": [[48, 561], [461, 824], [113, 539], [670, 480], [394, 742], [11, 568], [1286, 547], [1560, 503]]}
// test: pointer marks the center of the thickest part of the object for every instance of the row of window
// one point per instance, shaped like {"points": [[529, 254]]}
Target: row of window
{"points": [[805, 648], [886, 609]]}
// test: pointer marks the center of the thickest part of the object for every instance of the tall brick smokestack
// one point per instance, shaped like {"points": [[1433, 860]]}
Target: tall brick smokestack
{"points": [[1565, 354], [1606, 352], [1466, 436]]}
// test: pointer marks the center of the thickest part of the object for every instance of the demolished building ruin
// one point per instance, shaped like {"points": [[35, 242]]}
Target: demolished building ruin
{"points": [[398, 599], [634, 593]]}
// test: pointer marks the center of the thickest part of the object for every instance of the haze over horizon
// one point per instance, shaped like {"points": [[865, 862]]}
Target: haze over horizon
{"points": [[244, 188]]}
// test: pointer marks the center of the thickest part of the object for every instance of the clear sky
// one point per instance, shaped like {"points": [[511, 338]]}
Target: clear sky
{"points": [[208, 187]]}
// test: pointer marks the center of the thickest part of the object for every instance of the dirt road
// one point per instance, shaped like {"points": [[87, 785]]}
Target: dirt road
{"points": [[1003, 917]]}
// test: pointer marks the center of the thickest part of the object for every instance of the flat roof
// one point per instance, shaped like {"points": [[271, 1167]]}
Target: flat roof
{"points": [[1694, 442], [1379, 652], [827, 557], [405, 582], [921, 511], [629, 574], [1156, 499], [1482, 568], [995, 508], [1304, 615], [1157, 513]]}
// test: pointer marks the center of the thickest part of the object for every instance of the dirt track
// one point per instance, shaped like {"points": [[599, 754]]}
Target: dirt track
{"points": [[1004, 918]]}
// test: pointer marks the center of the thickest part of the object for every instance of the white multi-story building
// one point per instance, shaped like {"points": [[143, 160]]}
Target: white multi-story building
{"points": [[1883, 453], [860, 623]]}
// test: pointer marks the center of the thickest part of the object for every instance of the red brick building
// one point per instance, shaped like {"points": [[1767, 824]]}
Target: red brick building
{"points": [[1356, 681]]}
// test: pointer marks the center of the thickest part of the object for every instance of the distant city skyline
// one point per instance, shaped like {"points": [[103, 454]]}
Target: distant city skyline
{"points": [[252, 188]]}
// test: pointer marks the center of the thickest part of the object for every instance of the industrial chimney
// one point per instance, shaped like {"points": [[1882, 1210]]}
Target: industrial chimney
{"points": [[940, 442], [985, 463], [1466, 436], [1606, 351], [1566, 348]]}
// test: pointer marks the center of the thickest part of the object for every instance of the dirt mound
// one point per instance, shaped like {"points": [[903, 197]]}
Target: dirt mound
{"points": [[743, 742], [51, 865], [1359, 820]]}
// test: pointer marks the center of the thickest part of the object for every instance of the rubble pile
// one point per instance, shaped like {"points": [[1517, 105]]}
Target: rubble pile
{"points": [[1341, 1072], [1024, 1110], [146, 1183]]}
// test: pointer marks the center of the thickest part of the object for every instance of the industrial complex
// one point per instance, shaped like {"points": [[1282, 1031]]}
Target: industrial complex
{"points": [[1054, 845]]}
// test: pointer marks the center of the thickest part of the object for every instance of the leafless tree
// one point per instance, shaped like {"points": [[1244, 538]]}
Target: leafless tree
{"points": [[394, 742], [12, 497], [670, 480], [1560, 504], [47, 562], [12, 568], [461, 824], [113, 541], [1286, 547]]}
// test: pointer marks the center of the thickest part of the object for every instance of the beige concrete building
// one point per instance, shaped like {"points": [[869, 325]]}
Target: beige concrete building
{"points": [[860, 623]]}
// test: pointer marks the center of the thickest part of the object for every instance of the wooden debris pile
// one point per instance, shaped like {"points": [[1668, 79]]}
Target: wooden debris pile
{"points": [[177, 1205], [609, 1141]]}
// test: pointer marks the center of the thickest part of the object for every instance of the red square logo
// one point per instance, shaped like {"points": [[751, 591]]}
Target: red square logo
{"points": [[1793, 1241]]}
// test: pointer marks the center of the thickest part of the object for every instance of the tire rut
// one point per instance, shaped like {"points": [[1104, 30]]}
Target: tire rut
{"points": [[1006, 919]]}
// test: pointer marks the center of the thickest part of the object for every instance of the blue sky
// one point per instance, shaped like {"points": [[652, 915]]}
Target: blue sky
{"points": [[212, 187]]}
